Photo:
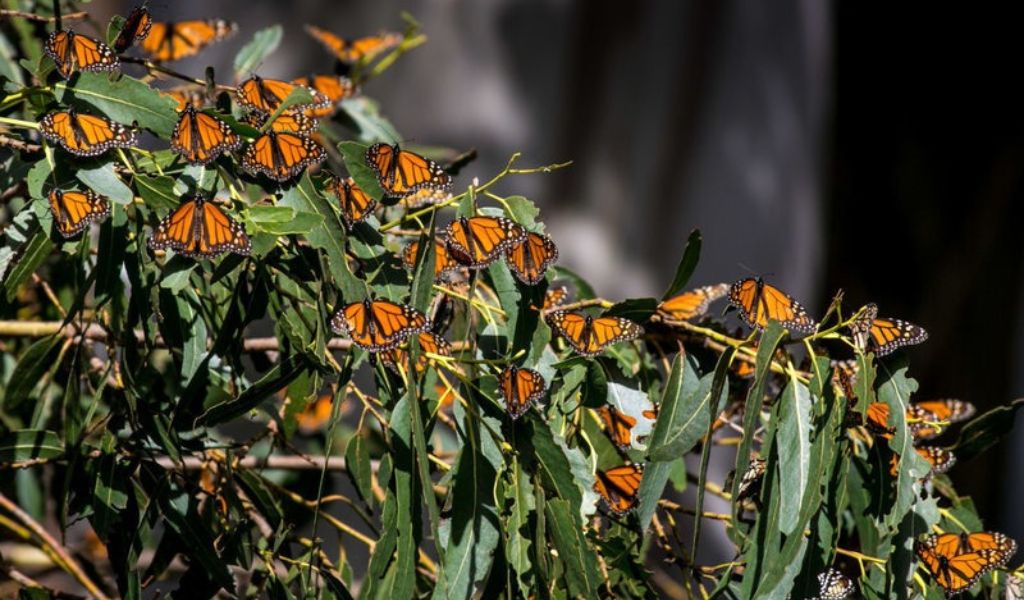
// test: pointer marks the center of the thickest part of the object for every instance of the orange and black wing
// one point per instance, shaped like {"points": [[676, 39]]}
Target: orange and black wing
{"points": [[201, 137], [619, 426], [886, 335], [85, 135], [955, 571], [378, 325], [179, 39], [530, 258], [590, 336], [948, 409], [73, 211], [267, 95], [443, 261], [72, 52], [355, 204], [402, 174], [429, 343], [287, 122], [878, 420], [135, 29], [555, 296], [187, 94], [759, 303], [334, 87], [750, 484], [355, 50], [520, 388], [200, 229], [281, 156], [692, 303], [619, 487], [940, 459], [833, 585], [476, 242]]}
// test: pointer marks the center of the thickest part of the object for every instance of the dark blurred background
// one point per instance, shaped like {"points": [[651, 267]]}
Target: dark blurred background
{"points": [[824, 145]]}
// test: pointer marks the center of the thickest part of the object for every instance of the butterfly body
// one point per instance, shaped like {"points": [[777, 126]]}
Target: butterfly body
{"points": [[356, 205], [201, 137], [402, 173], [173, 40], [692, 303], [759, 303], [267, 95], [135, 29], [521, 388], [589, 336], [530, 258], [353, 51], [74, 211], [619, 487], [199, 229], [281, 156], [476, 242], [72, 52], [378, 325], [85, 135], [884, 335], [957, 561]]}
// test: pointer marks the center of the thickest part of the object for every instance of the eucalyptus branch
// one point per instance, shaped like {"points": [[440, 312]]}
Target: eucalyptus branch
{"points": [[14, 144], [75, 16]]}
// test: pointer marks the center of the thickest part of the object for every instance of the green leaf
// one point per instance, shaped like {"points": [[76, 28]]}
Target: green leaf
{"points": [[359, 469], [354, 154], [32, 255], [278, 377], [283, 220], [472, 533], [553, 465], [986, 430], [574, 551], [684, 412], [517, 527], [264, 42], [794, 446], [105, 182], [124, 99], [30, 444], [368, 122], [157, 192], [110, 492], [638, 310], [686, 266], [36, 361]]}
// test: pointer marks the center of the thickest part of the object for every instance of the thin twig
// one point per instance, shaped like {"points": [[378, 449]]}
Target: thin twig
{"points": [[66, 562], [9, 142], [39, 18]]}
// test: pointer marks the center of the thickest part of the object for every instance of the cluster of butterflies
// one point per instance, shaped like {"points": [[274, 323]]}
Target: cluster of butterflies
{"points": [[283, 148]]}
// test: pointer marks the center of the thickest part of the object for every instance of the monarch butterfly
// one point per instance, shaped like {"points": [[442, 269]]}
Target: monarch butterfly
{"points": [[187, 94], [85, 135], [618, 425], [744, 369], [555, 296], [520, 388], [179, 39], [352, 51], [135, 29], [619, 486], [334, 87], [884, 335], [956, 563], [590, 336], [750, 484], [315, 415], [759, 303], [355, 204], [73, 211], [378, 325], [429, 343], [477, 241], [266, 95], [199, 229], [201, 137], [692, 303], [844, 374], [530, 258], [287, 122], [443, 261], [281, 156], [947, 409], [940, 459], [833, 585], [402, 173], [878, 420], [72, 52]]}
